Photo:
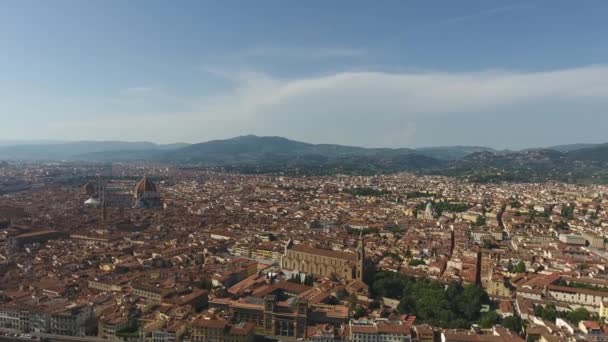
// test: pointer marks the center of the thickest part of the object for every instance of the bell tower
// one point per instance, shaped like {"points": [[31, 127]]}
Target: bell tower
{"points": [[360, 257]]}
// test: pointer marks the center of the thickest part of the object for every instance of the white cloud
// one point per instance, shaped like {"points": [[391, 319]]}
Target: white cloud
{"points": [[365, 108]]}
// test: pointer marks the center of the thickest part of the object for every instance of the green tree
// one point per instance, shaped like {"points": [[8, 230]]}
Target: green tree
{"points": [[374, 305], [408, 253], [389, 284], [562, 225], [489, 319], [549, 313], [432, 302], [580, 314], [416, 262], [568, 212], [473, 297], [341, 294], [453, 291], [512, 323], [520, 267], [539, 311], [295, 278], [201, 303], [488, 243], [359, 312]]}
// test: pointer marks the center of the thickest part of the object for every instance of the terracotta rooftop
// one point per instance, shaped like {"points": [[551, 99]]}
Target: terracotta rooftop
{"points": [[325, 252]]}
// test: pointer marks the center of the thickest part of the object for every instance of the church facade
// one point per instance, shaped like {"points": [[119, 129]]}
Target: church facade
{"points": [[323, 262]]}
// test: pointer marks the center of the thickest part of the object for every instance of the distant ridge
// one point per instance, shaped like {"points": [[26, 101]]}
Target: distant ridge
{"points": [[273, 154], [597, 153], [571, 147], [268, 154], [70, 150]]}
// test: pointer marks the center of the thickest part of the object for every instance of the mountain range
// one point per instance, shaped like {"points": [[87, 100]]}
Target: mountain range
{"points": [[576, 162]]}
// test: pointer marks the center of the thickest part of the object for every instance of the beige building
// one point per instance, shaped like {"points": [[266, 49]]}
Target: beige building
{"points": [[604, 308], [269, 317], [594, 240], [219, 330], [591, 299], [149, 291], [323, 262], [380, 330]]}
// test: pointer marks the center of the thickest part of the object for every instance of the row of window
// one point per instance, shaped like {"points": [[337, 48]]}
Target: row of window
{"points": [[317, 258]]}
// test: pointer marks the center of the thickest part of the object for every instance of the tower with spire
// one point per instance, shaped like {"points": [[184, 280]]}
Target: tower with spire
{"points": [[360, 257]]}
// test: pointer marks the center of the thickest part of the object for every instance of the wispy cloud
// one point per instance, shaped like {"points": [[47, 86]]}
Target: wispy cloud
{"points": [[459, 20], [366, 108], [485, 13], [295, 52]]}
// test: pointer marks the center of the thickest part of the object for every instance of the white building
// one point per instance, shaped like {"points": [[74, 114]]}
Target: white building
{"points": [[572, 239], [380, 330]]}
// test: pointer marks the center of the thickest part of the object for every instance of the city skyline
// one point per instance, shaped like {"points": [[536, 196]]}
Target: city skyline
{"points": [[315, 171]]}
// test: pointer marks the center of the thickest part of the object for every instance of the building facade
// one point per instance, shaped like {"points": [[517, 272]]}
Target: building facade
{"points": [[270, 317], [380, 330], [323, 262]]}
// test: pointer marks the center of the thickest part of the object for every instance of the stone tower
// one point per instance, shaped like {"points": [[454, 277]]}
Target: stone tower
{"points": [[360, 258]]}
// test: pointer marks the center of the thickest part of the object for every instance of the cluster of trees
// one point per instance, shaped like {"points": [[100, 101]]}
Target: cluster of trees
{"points": [[550, 313], [520, 267], [131, 331], [416, 262], [488, 243], [394, 255], [561, 225], [515, 204], [456, 306], [568, 212], [353, 231], [297, 279], [481, 220], [367, 192], [351, 301], [491, 318], [532, 213], [393, 228]]}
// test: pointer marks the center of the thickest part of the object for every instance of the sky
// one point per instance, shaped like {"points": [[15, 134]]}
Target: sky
{"points": [[504, 74]]}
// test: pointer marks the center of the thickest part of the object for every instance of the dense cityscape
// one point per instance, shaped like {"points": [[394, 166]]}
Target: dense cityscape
{"points": [[303, 171], [145, 252]]}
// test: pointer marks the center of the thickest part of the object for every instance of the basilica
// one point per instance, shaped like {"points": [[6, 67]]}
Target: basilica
{"points": [[146, 195], [323, 262]]}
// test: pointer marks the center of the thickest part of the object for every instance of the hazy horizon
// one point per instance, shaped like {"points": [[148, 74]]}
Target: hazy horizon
{"points": [[475, 73], [4, 142]]}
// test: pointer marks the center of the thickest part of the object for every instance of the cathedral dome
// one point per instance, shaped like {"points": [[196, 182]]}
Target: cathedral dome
{"points": [[144, 186], [89, 188]]}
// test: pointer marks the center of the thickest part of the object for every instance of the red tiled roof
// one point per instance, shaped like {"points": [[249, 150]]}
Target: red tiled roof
{"points": [[325, 252], [243, 328], [210, 323]]}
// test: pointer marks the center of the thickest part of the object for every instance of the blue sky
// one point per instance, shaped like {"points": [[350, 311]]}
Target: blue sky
{"points": [[391, 73]]}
